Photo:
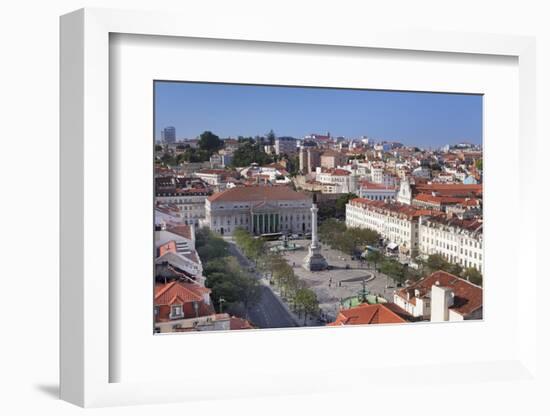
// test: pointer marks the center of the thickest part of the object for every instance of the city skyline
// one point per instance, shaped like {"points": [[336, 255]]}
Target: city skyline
{"points": [[412, 118]]}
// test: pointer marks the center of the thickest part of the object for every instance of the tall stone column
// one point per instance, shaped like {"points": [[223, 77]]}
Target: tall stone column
{"points": [[314, 240], [314, 260]]}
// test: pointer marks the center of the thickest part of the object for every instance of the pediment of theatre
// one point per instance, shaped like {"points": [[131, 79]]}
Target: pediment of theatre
{"points": [[264, 207]]}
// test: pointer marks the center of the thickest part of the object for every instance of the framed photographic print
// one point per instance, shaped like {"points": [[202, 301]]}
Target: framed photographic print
{"points": [[305, 229], [287, 208]]}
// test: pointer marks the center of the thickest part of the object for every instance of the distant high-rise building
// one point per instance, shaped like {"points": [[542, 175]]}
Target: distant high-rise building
{"points": [[168, 134], [285, 145]]}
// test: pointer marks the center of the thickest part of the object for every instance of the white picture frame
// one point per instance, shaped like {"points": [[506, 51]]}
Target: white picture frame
{"points": [[87, 356]]}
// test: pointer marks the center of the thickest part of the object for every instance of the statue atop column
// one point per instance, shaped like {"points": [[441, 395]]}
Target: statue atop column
{"points": [[314, 260]]}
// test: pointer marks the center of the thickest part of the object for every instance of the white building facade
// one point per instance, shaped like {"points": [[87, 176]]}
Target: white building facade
{"points": [[259, 210], [339, 180], [404, 195], [395, 222], [458, 241], [189, 201], [376, 192]]}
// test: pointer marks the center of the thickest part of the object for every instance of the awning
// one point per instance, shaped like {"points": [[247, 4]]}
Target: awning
{"points": [[392, 246]]}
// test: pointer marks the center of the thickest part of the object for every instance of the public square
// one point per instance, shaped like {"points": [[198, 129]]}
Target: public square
{"points": [[339, 282]]}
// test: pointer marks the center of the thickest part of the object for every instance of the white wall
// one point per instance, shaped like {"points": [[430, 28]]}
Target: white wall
{"points": [[29, 135]]}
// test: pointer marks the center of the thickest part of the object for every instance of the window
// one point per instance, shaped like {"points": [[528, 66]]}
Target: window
{"points": [[176, 311]]}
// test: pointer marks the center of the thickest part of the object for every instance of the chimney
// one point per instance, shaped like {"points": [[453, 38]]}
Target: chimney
{"points": [[442, 298]]}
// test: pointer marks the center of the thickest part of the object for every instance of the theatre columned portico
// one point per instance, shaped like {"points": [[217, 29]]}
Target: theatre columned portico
{"points": [[260, 210]]}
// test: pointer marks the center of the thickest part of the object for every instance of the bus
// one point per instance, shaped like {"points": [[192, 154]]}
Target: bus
{"points": [[271, 236]]}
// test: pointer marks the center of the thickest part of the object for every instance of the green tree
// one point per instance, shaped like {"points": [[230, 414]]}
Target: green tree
{"points": [[342, 201], [270, 137], [251, 247], [267, 262], [209, 246], [168, 160], [227, 280], [209, 142], [437, 262], [329, 228], [479, 164], [455, 269], [473, 275], [306, 302], [360, 238], [375, 257], [248, 153], [393, 269], [284, 277], [293, 166], [249, 290]]}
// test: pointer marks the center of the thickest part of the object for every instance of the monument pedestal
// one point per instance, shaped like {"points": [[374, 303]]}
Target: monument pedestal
{"points": [[314, 261]]}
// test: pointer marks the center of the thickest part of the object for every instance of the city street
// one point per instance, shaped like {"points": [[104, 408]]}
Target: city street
{"points": [[344, 280], [268, 312]]}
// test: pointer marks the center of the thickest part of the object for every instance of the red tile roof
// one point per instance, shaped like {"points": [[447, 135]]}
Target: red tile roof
{"points": [[366, 314], [188, 292], [372, 185], [188, 295], [180, 229], [391, 207], [239, 323], [259, 193], [467, 297], [474, 225], [449, 189], [340, 172], [213, 171], [438, 199]]}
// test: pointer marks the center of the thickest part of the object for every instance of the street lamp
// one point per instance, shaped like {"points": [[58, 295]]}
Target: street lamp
{"points": [[221, 301]]}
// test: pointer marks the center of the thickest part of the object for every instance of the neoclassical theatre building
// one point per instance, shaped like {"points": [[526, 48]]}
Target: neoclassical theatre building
{"points": [[259, 209]]}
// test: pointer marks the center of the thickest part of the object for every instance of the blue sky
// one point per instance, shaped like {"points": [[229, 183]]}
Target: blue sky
{"points": [[421, 119]]}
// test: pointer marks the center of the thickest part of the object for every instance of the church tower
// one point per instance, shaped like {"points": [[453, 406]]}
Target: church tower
{"points": [[405, 192]]}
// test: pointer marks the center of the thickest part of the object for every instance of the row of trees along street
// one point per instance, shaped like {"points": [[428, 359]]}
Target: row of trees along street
{"points": [[352, 241], [400, 272], [274, 267], [234, 290]]}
